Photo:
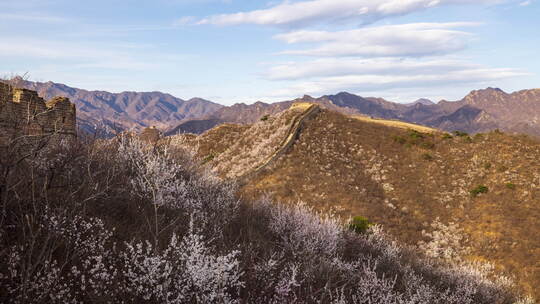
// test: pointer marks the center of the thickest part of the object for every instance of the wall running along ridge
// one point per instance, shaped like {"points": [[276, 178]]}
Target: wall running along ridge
{"points": [[292, 134]]}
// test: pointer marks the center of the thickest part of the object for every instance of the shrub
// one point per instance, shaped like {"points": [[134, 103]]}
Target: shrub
{"points": [[447, 136], [414, 138], [265, 118], [427, 156], [427, 145], [460, 133], [478, 190], [510, 186], [208, 158], [415, 134], [399, 139], [359, 224], [446, 241]]}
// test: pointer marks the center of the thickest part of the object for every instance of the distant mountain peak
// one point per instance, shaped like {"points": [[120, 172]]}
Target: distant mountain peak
{"points": [[198, 99], [422, 101], [494, 89], [344, 94], [488, 91]]}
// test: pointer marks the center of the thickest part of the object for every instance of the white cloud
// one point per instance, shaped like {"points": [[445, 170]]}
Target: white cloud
{"points": [[45, 49], [187, 20], [30, 17], [443, 76], [393, 58], [525, 3], [329, 67], [415, 39], [78, 56], [324, 11]]}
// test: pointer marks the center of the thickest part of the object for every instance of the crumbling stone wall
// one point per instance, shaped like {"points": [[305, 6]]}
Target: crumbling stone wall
{"points": [[24, 114]]}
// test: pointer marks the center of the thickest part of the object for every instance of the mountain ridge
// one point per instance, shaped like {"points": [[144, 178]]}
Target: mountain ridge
{"points": [[127, 110], [478, 111]]}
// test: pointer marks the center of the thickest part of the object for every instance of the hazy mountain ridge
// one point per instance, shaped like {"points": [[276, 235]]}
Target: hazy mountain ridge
{"points": [[125, 110], [242, 113], [423, 101], [480, 110]]}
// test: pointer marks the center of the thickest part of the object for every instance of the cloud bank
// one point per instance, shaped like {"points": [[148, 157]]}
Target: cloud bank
{"points": [[305, 13], [415, 39], [323, 76]]}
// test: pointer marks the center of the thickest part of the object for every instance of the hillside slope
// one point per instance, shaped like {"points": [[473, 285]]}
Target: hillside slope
{"points": [[422, 187], [119, 221]]}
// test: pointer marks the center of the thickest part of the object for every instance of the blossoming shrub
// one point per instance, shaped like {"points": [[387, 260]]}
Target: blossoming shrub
{"points": [[123, 222], [359, 224]]}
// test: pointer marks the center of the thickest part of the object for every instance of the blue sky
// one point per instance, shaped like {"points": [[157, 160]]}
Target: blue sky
{"points": [[233, 51]]}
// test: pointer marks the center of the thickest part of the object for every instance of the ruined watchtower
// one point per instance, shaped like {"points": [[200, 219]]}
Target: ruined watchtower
{"points": [[24, 114]]}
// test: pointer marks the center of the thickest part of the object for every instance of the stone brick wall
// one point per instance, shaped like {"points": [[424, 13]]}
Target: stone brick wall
{"points": [[24, 113]]}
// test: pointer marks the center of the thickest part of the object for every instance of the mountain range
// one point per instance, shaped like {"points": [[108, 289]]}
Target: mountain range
{"points": [[479, 111], [125, 110]]}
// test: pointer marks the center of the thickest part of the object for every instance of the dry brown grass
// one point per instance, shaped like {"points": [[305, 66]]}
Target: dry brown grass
{"points": [[396, 123], [405, 179], [301, 105]]}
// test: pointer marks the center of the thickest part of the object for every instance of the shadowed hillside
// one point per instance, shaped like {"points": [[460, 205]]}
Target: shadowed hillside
{"points": [[424, 186]]}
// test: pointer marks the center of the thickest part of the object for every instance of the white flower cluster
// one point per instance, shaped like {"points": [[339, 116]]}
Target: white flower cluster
{"points": [[35, 274], [445, 241], [158, 176], [303, 232], [184, 272]]}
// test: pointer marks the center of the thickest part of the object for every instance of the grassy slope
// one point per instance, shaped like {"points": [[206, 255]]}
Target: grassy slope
{"points": [[405, 180], [396, 123]]}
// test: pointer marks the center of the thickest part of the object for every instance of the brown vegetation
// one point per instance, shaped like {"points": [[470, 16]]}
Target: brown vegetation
{"points": [[121, 221], [407, 180]]}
